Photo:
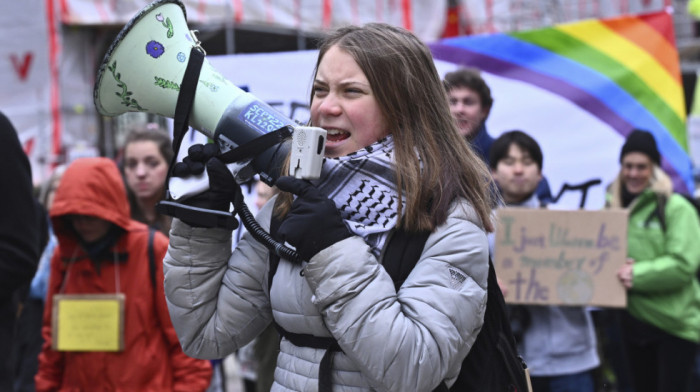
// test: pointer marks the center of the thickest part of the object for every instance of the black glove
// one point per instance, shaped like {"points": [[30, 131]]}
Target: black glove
{"points": [[211, 207], [313, 223], [222, 185]]}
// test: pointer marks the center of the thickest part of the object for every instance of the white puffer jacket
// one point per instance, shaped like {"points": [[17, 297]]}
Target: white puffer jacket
{"points": [[406, 341]]}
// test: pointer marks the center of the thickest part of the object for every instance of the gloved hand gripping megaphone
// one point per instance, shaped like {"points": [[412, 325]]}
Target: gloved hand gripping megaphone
{"points": [[156, 65]]}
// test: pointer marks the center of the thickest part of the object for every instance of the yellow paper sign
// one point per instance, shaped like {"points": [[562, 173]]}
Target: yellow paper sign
{"points": [[88, 322]]}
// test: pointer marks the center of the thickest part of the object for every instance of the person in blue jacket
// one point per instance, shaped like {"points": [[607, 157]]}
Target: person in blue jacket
{"points": [[470, 104]]}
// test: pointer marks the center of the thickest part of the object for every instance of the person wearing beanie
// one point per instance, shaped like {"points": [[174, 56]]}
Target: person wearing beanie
{"points": [[644, 142], [659, 327]]}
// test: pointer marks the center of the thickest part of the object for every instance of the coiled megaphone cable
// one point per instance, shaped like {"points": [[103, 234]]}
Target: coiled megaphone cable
{"points": [[259, 233]]}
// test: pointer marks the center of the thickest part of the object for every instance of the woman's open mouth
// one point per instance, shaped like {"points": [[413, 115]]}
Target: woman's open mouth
{"points": [[336, 135]]}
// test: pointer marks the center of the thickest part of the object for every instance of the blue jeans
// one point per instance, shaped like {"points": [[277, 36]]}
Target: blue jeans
{"points": [[577, 382]]}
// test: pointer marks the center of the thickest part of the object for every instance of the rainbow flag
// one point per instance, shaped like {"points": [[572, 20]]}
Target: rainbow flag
{"points": [[624, 72]]}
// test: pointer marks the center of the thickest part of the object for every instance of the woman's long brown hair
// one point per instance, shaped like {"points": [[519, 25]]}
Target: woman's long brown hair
{"points": [[408, 89]]}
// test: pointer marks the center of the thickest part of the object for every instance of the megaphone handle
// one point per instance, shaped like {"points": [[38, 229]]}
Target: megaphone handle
{"points": [[185, 100], [199, 217]]}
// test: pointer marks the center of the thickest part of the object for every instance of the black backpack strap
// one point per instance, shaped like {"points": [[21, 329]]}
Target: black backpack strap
{"points": [[151, 256], [496, 296], [325, 370], [508, 347], [402, 253], [659, 212], [325, 382], [185, 100], [184, 104], [495, 349], [274, 259], [442, 388], [400, 257]]}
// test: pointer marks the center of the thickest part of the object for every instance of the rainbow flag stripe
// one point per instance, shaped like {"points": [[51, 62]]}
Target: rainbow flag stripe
{"points": [[625, 71]]}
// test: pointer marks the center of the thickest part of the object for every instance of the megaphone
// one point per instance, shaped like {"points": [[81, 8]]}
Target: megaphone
{"points": [[144, 68]]}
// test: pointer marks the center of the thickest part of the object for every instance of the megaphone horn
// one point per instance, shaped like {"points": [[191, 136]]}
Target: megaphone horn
{"points": [[143, 71]]}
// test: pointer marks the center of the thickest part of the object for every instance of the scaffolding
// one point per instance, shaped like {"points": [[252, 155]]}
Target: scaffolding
{"points": [[488, 16]]}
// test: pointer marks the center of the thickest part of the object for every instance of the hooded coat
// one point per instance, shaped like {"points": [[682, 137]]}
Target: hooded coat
{"points": [[19, 240], [152, 359], [665, 291]]}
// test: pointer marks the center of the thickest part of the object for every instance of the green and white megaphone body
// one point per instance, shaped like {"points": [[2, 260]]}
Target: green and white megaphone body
{"points": [[143, 71]]}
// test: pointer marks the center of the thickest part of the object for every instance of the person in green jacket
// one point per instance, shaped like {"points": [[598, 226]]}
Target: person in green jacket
{"points": [[661, 325]]}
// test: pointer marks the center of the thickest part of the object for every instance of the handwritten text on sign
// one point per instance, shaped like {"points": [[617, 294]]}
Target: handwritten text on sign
{"points": [[549, 257], [88, 322]]}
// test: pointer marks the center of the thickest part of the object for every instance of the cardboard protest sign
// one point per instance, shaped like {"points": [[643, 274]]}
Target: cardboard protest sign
{"points": [[548, 257]]}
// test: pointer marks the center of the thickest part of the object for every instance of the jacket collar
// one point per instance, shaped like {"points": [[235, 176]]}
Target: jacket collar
{"points": [[531, 202]]}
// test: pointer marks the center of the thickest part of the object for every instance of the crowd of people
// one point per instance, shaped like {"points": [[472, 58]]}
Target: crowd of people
{"points": [[332, 318]]}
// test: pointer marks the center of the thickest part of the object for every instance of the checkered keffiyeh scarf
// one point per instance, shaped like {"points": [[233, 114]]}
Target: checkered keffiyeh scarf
{"points": [[363, 187]]}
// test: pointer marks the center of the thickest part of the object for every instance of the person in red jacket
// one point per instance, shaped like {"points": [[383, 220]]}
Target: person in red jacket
{"points": [[101, 250]]}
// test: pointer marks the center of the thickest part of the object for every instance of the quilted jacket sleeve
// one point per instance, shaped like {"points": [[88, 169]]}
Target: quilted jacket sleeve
{"points": [[217, 300], [189, 374], [413, 339]]}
